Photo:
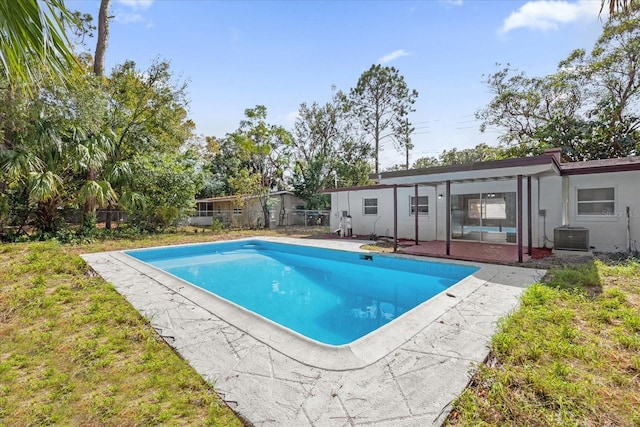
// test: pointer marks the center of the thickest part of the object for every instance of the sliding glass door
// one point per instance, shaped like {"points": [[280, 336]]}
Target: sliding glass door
{"points": [[484, 217]]}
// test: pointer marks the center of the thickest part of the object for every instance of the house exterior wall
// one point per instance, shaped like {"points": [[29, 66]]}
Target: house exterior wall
{"points": [[554, 203], [428, 225], [608, 233], [381, 224], [251, 213], [549, 199]]}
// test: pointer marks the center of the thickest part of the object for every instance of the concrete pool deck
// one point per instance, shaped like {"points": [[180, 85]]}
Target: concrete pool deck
{"points": [[405, 375]]}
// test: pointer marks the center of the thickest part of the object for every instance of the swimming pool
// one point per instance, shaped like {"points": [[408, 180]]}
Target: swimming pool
{"points": [[329, 296]]}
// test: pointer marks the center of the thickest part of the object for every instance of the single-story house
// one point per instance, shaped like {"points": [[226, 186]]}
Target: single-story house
{"points": [[245, 211], [534, 201]]}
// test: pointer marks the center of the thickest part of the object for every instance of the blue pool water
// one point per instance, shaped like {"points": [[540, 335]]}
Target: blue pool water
{"points": [[330, 296]]}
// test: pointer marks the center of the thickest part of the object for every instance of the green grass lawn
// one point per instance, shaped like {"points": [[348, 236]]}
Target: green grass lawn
{"points": [[74, 352], [569, 356]]}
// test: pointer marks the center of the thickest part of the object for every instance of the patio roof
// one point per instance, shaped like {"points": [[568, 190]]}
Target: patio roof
{"points": [[519, 191], [622, 164], [545, 160], [420, 184]]}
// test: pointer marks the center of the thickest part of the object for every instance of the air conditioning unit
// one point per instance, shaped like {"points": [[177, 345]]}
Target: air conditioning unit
{"points": [[571, 238]]}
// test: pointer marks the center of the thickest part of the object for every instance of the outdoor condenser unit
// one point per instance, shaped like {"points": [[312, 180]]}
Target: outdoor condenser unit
{"points": [[571, 238]]}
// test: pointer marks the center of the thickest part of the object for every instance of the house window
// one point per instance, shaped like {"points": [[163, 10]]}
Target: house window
{"points": [[237, 211], [596, 201], [423, 205], [371, 206]]}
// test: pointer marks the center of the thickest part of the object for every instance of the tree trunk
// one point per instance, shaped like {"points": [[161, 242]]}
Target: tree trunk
{"points": [[47, 213], [107, 221], [406, 147], [265, 212], [90, 203], [103, 35]]}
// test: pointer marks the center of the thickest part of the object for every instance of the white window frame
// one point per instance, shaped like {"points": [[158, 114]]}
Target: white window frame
{"points": [[578, 202], [420, 205], [365, 206]]}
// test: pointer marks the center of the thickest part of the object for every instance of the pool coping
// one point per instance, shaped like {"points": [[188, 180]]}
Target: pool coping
{"points": [[273, 377], [355, 355]]}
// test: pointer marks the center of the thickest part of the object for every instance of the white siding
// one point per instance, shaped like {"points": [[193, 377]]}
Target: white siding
{"points": [[553, 204], [549, 200], [382, 224], [609, 233]]}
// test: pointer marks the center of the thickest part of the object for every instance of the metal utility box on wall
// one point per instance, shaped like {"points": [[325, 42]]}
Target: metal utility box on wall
{"points": [[571, 238]]}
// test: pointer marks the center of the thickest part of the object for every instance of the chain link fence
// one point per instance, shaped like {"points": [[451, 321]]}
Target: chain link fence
{"points": [[255, 218]]}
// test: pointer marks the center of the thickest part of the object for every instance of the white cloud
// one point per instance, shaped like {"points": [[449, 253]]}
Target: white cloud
{"points": [[131, 12], [137, 4], [453, 2], [549, 14], [128, 18], [393, 55]]}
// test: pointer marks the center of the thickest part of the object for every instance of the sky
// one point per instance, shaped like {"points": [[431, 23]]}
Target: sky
{"points": [[239, 54]]}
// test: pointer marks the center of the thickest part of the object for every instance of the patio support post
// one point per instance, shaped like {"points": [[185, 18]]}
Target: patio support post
{"points": [[415, 211], [519, 225], [395, 217], [448, 216], [529, 220]]}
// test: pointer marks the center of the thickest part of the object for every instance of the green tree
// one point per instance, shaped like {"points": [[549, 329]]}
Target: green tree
{"points": [[402, 138], [479, 153], [323, 151], [263, 151], [169, 183], [316, 132], [426, 162], [147, 114], [148, 108], [33, 41], [589, 107], [48, 141], [381, 102], [224, 163], [611, 72], [522, 104]]}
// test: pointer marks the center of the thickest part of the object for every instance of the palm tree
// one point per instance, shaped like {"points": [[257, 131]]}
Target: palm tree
{"points": [[33, 32], [91, 154]]}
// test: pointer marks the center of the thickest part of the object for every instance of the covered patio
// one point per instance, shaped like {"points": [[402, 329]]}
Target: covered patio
{"points": [[461, 248], [484, 211]]}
